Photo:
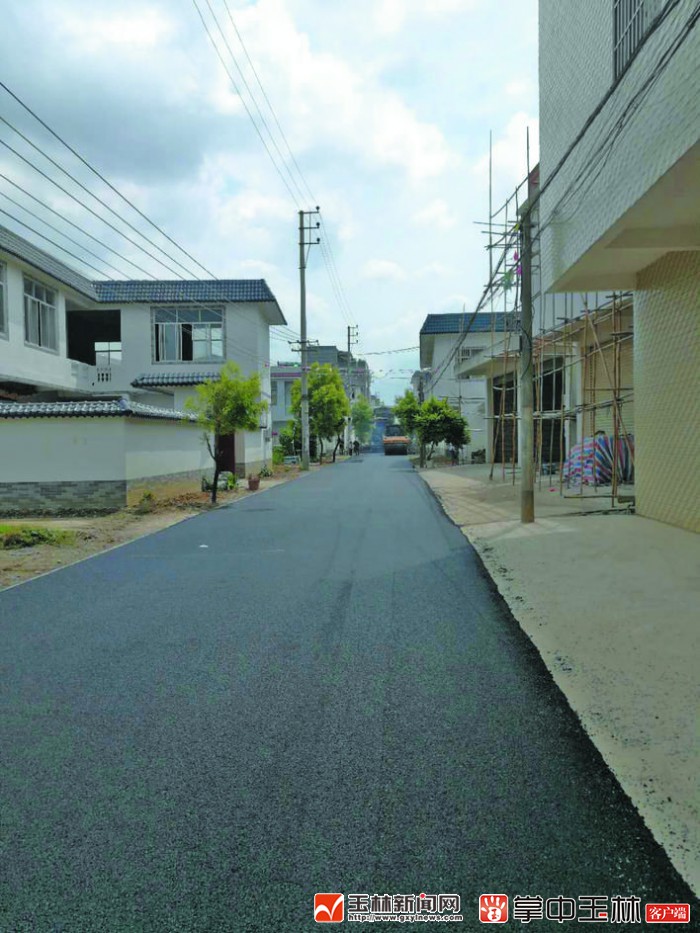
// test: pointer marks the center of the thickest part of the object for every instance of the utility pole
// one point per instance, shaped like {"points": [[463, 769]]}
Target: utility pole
{"points": [[305, 242], [352, 338], [527, 442], [421, 399]]}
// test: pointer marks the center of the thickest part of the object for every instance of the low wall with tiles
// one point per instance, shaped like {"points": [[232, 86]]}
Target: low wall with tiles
{"points": [[81, 495], [95, 464]]}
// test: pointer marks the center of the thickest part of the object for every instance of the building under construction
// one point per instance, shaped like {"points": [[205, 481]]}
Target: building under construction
{"points": [[582, 368]]}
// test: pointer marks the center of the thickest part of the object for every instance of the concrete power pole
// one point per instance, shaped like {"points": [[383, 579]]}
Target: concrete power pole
{"points": [[352, 338], [303, 244], [527, 440], [421, 399]]}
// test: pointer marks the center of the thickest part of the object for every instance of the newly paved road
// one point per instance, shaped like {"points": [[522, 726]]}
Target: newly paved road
{"points": [[328, 697]]}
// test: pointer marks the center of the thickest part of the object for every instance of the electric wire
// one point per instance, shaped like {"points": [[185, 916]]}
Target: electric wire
{"points": [[84, 188], [329, 259], [71, 223], [245, 104], [102, 178]]}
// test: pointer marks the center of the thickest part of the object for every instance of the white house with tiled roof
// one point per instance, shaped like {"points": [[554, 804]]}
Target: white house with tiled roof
{"points": [[66, 339], [447, 342]]}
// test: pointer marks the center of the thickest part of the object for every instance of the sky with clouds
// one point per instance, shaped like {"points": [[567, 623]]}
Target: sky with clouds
{"points": [[386, 105]]}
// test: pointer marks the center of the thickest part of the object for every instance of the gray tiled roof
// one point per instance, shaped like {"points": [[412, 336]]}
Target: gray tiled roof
{"points": [[175, 290], [23, 249], [456, 323], [146, 290], [90, 409], [172, 379]]}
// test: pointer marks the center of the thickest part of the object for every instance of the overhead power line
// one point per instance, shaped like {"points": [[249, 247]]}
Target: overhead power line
{"points": [[56, 230], [102, 178], [139, 246], [84, 188], [288, 168], [268, 102], [384, 352], [70, 223], [242, 98]]}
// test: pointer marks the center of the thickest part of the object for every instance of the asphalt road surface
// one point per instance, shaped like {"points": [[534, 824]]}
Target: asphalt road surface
{"points": [[327, 697]]}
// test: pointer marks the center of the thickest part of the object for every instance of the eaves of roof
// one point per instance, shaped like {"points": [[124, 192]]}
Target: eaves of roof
{"points": [[154, 380], [115, 408]]}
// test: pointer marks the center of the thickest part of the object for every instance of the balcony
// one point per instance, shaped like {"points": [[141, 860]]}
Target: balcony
{"points": [[100, 378]]}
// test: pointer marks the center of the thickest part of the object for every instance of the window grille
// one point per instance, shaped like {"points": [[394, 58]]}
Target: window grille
{"points": [[466, 353], [632, 19], [3, 313]]}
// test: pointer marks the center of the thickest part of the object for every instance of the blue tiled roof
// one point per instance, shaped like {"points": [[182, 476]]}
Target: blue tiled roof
{"points": [[172, 379], [146, 290], [175, 290], [456, 323], [90, 409]]}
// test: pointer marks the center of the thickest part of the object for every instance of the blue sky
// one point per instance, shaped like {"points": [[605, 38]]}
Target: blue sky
{"points": [[386, 104]]}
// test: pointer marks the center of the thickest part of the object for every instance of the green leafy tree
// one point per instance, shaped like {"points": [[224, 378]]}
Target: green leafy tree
{"points": [[223, 406], [406, 410], [437, 421], [290, 440], [287, 440], [362, 419], [328, 403]]}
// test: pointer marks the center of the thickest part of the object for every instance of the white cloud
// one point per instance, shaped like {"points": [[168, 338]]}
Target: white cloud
{"points": [[434, 270], [436, 214], [383, 269], [391, 15], [344, 106], [258, 267], [137, 28], [518, 88]]}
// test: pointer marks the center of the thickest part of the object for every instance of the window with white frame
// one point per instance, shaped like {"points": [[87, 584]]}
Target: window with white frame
{"points": [[273, 392], [40, 315], [107, 352], [188, 335], [3, 301], [631, 20]]}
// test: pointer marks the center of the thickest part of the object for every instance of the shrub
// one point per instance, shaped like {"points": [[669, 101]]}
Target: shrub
{"points": [[146, 503], [26, 536], [278, 456]]}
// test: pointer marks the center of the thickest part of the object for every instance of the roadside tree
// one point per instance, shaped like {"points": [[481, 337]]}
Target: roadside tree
{"points": [[328, 404], [223, 406], [437, 422], [406, 410], [362, 419]]}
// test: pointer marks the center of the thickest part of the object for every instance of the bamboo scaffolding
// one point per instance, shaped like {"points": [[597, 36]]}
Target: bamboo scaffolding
{"points": [[586, 345]]}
